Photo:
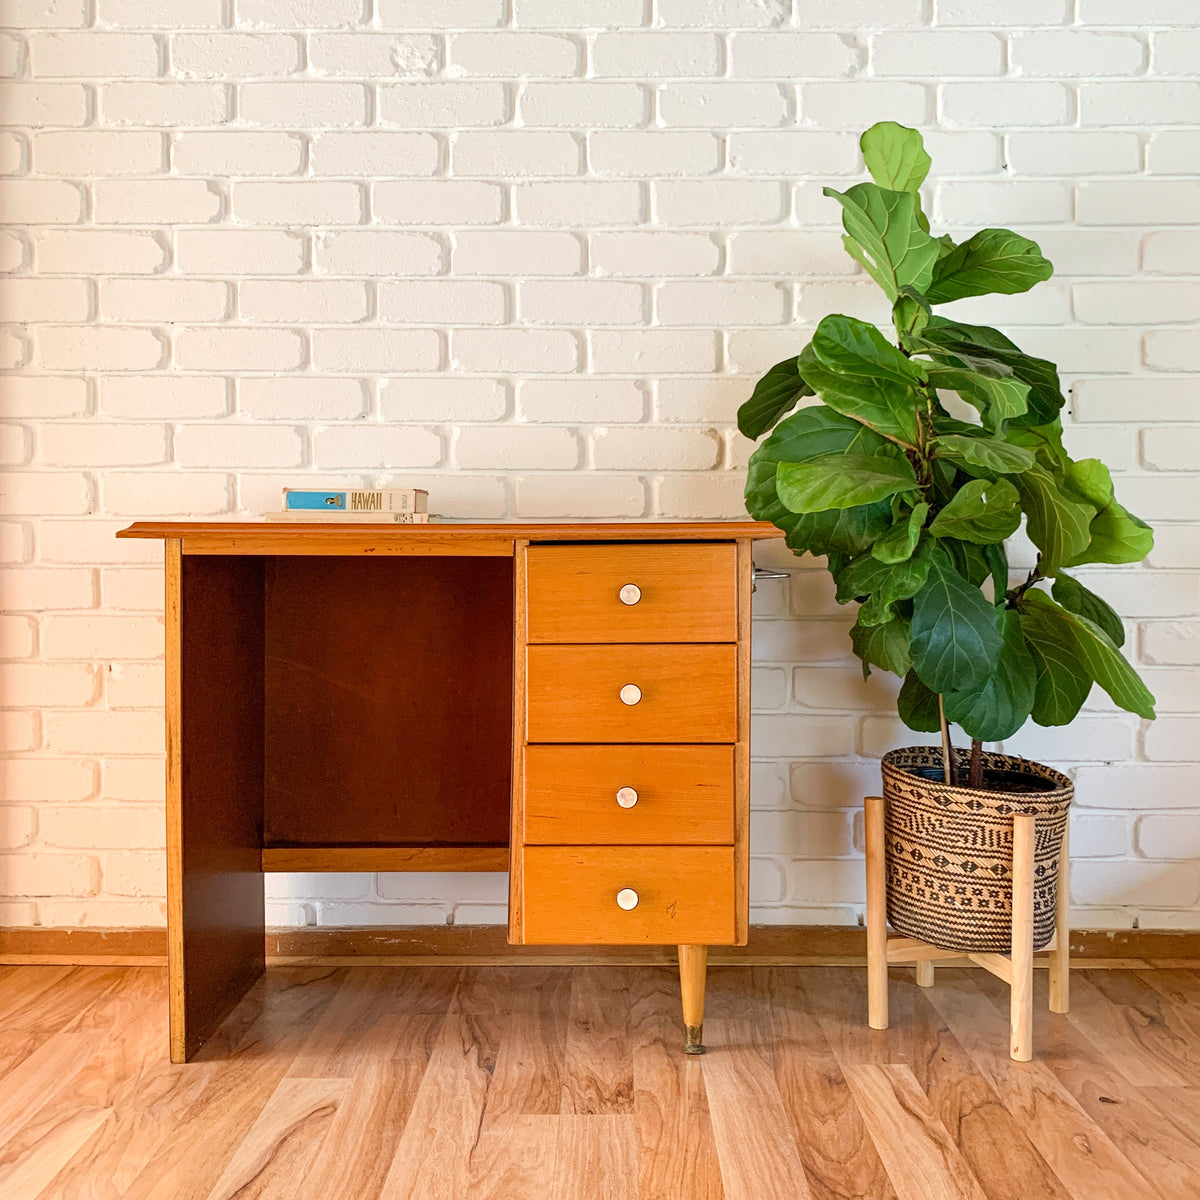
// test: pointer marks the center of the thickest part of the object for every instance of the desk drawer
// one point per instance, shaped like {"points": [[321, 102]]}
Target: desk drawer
{"points": [[649, 593], [629, 795], [681, 895], [632, 694]]}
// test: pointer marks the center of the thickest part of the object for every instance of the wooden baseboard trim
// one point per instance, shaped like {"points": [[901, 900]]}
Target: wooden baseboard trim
{"points": [[809, 945]]}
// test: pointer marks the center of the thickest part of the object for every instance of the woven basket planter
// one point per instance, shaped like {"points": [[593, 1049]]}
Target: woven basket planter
{"points": [[949, 849]]}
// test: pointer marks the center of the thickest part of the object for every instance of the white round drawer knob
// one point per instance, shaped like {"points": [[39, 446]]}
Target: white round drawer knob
{"points": [[631, 694], [627, 898], [630, 593], [627, 797]]}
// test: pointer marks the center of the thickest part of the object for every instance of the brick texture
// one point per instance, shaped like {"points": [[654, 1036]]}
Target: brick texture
{"points": [[534, 254]]}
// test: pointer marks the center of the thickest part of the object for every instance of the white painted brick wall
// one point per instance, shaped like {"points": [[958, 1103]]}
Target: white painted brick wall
{"points": [[533, 255]]}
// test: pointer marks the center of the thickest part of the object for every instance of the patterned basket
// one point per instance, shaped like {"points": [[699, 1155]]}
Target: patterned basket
{"points": [[950, 849]]}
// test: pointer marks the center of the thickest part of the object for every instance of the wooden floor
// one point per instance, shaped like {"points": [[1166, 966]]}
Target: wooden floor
{"points": [[567, 1083]]}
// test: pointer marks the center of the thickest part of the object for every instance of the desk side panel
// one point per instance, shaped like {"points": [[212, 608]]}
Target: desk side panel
{"points": [[215, 792]]}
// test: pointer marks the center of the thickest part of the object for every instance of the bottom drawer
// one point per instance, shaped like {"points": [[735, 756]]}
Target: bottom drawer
{"points": [[676, 894]]}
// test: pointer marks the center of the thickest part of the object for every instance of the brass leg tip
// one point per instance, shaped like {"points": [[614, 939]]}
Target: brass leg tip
{"points": [[694, 1045]]}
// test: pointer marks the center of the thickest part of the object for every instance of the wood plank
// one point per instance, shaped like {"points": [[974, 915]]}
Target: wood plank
{"points": [[921, 1157], [385, 858], [595, 1158], [597, 1076], [1077, 1150], [516, 1157], [758, 1155], [433, 1156], [516, 834], [462, 537], [839, 1158], [215, 761], [676, 1153], [34, 1173], [993, 1144], [283, 1141], [1135, 1029], [531, 1011], [741, 750], [1151, 1142], [360, 1145], [769, 945]]}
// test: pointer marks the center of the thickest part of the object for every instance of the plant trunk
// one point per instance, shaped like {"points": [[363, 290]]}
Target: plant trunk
{"points": [[947, 746], [975, 777]]}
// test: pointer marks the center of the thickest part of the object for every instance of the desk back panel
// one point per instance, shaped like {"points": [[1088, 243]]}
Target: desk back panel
{"points": [[388, 700]]}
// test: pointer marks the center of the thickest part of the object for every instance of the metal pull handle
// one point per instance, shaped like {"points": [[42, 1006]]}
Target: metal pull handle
{"points": [[631, 694], [627, 797], [630, 593], [627, 899], [757, 573]]}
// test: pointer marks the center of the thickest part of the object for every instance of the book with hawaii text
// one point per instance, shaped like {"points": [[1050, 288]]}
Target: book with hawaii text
{"points": [[356, 500], [334, 517]]}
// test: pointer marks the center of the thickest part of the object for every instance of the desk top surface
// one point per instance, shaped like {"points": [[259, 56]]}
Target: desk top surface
{"points": [[315, 537]]}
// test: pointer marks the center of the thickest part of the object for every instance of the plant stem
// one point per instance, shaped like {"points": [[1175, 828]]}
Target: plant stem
{"points": [[975, 777], [947, 748]]}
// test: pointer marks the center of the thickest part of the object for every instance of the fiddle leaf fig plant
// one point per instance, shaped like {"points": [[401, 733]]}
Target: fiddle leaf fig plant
{"points": [[909, 463]]}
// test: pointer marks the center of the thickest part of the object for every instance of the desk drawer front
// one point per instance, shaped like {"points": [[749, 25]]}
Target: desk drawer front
{"points": [[632, 694], [654, 593], [627, 895], [629, 795]]}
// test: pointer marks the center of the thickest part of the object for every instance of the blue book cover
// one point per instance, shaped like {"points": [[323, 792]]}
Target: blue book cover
{"points": [[323, 501]]}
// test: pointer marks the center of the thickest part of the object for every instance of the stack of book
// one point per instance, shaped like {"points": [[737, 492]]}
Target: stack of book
{"points": [[401, 506]]}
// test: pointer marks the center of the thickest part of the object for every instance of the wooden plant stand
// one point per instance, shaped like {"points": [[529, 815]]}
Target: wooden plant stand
{"points": [[1016, 968]]}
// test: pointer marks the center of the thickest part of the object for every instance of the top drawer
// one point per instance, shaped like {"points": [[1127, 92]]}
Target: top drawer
{"points": [[643, 593]]}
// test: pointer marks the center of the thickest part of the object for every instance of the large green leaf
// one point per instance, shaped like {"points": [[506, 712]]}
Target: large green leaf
{"points": [[1002, 703], [842, 481], [808, 434], [955, 631], [991, 455], [998, 398], [885, 235], [1117, 536], [918, 706], [1072, 595], [994, 260], [997, 560], [860, 374], [895, 155], [983, 343], [1063, 683], [969, 559], [1090, 480], [1057, 525], [1096, 654], [982, 511], [774, 396], [880, 584], [1045, 442], [898, 543], [883, 646]]}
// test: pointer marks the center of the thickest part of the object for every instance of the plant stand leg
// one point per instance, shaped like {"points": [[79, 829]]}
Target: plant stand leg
{"points": [[877, 955], [1021, 1002], [693, 966], [1060, 956], [925, 973]]}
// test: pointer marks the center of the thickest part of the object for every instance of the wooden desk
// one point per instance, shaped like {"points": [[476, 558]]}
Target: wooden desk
{"points": [[568, 702]]}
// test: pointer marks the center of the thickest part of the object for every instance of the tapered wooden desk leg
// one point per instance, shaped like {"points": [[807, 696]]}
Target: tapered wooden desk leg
{"points": [[925, 973], [1021, 1002], [1060, 956], [877, 966], [693, 966]]}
